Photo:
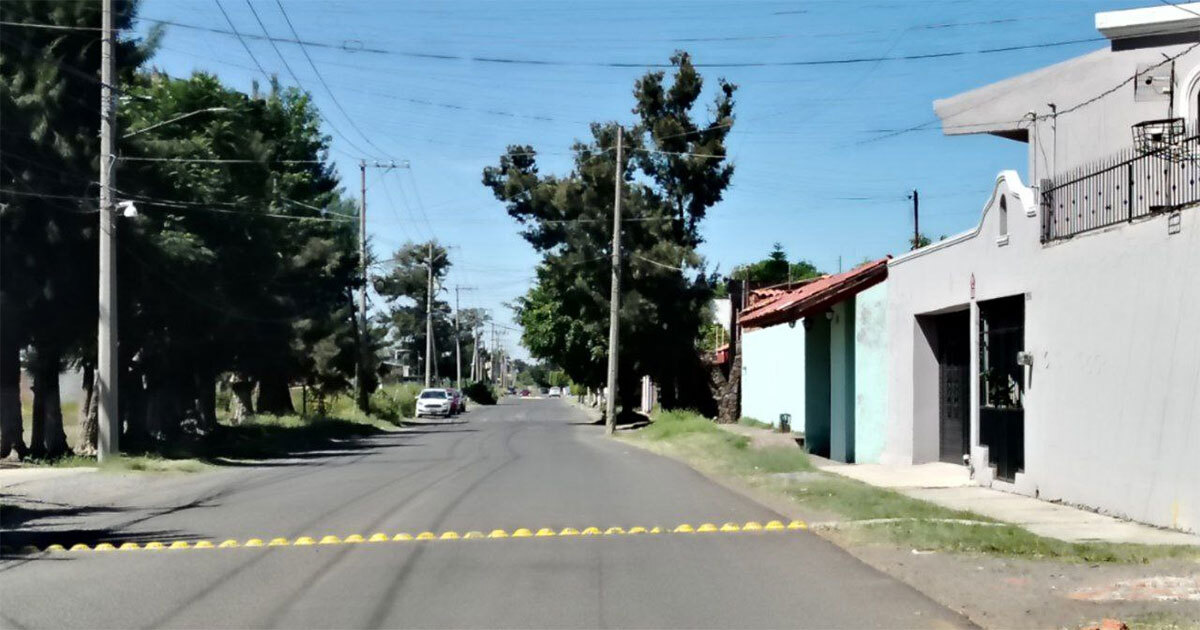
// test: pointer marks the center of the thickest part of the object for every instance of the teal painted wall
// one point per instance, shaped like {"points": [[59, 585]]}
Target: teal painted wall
{"points": [[870, 374], [816, 386], [841, 382], [773, 374]]}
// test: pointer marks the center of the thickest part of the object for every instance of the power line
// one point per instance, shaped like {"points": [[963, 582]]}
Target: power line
{"points": [[295, 78], [320, 78], [356, 46], [246, 46]]}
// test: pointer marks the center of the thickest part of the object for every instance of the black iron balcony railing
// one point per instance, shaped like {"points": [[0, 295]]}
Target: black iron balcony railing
{"points": [[1123, 188]]}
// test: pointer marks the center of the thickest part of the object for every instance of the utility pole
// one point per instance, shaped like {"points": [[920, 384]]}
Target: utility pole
{"points": [[361, 394], [429, 318], [360, 391], [109, 419], [457, 338], [610, 407], [916, 199]]}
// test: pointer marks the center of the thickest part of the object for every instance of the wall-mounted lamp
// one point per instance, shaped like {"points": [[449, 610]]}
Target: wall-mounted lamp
{"points": [[829, 315], [792, 324]]}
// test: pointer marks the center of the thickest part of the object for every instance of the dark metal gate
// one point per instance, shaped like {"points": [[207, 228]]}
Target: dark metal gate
{"points": [[1002, 384], [954, 393]]}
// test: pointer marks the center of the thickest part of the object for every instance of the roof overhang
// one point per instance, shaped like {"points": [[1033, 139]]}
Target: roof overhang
{"points": [[1171, 19], [816, 297]]}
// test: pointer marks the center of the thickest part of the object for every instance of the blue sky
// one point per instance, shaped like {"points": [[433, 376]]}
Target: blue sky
{"points": [[813, 170]]}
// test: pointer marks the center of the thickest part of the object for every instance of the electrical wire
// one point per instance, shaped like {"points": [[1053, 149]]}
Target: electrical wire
{"points": [[320, 77], [295, 78]]}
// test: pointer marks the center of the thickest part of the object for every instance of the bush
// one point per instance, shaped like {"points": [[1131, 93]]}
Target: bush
{"points": [[480, 393], [395, 403]]}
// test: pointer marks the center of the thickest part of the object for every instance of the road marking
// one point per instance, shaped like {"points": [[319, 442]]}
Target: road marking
{"points": [[404, 537]]}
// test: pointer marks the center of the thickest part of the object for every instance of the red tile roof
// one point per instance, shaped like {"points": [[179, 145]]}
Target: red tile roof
{"points": [[814, 297]]}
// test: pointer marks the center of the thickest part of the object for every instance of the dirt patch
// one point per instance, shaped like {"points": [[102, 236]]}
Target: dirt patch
{"points": [[1021, 593]]}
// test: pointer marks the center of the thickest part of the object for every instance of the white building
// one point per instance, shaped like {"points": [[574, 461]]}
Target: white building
{"points": [[1058, 342]]}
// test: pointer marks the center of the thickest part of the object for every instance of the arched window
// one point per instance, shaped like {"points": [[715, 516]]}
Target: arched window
{"points": [[1003, 216]]}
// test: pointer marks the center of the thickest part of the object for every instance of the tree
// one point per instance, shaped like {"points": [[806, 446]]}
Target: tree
{"points": [[775, 269], [674, 171], [405, 288], [49, 92], [239, 267]]}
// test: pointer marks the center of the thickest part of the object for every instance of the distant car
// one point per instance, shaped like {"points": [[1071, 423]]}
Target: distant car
{"points": [[555, 392], [512, 391], [459, 402], [525, 393], [434, 402]]}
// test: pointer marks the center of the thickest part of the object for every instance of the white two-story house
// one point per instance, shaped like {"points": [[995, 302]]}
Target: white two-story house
{"points": [[1055, 347]]}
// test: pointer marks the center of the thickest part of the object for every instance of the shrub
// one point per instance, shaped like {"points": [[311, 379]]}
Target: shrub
{"points": [[394, 403], [480, 393]]}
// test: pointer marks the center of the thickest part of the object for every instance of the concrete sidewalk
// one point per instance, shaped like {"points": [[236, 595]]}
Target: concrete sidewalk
{"points": [[950, 486]]}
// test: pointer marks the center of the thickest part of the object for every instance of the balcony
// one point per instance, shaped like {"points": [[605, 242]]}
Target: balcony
{"points": [[1126, 187]]}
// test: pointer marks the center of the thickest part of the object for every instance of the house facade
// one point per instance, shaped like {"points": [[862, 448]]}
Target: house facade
{"points": [[1055, 347], [817, 354]]}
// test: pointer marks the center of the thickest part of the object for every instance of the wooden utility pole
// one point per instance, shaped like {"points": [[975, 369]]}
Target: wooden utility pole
{"points": [[610, 407], [109, 419], [429, 318]]}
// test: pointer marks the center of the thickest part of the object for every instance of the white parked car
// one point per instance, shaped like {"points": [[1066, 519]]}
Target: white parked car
{"points": [[555, 392], [434, 402]]}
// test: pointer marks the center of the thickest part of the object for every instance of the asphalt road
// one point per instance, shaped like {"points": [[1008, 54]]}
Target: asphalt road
{"points": [[529, 464]]}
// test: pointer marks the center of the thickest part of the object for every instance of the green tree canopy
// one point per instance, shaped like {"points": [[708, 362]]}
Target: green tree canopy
{"points": [[674, 171]]}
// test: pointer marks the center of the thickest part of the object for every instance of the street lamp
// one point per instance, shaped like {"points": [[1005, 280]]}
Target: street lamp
{"points": [[206, 110], [109, 429]]}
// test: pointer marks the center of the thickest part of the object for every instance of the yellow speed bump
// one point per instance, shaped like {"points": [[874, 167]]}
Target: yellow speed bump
{"points": [[402, 537], [55, 548], [203, 544], [498, 533], [379, 537], [731, 527], [34, 549], [522, 533], [180, 544], [614, 531], [129, 546], [637, 530], [684, 529], [75, 547], [426, 536], [330, 540], [774, 526], [545, 531], [279, 542], [449, 536], [304, 541], [228, 544], [706, 528], [153, 545], [99, 547], [797, 525], [569, 531], [473, 534], [254, 542], [591, 531], [353, 538], [752, 526]]}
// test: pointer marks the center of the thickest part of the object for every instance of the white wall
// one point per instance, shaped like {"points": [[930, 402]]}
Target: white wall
{"points": [[870, 373], [1112, 409], [773, 374]]}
